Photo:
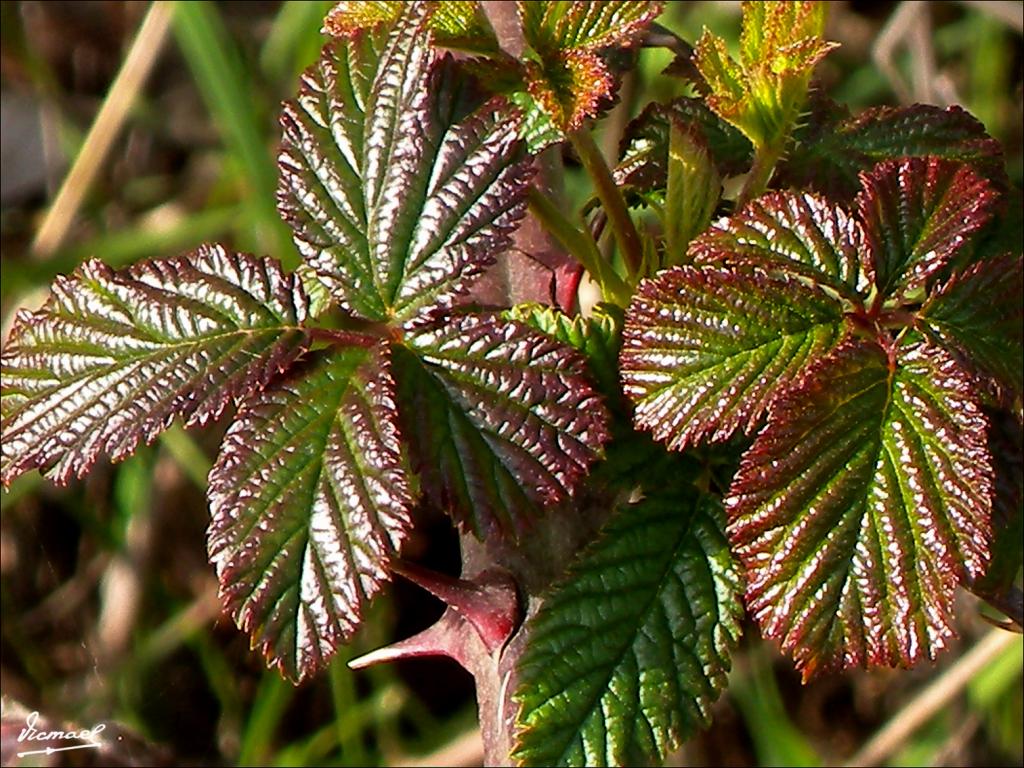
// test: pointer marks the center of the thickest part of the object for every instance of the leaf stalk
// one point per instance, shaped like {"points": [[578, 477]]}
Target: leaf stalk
{"points": [[766, 157], [580, 243], [626, 236]]}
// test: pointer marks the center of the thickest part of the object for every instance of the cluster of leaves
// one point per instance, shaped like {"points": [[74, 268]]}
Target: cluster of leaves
{"points": [[399, 193], [866, 496], [857, 329], [556, 71], [845, 320]]}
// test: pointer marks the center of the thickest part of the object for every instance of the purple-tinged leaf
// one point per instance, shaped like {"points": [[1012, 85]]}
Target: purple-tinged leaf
{"points": [[396, 207], [310, 501], [597, 337], [797, 234], [917, 214], [860, 507], [999, 583], [978, 317], [499, 418], [113, 357], [628, 652], [706, 351], [836, 148]]}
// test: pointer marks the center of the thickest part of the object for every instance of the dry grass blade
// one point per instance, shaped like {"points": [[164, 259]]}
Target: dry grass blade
{"points": [[137, 65], [932, 699]]}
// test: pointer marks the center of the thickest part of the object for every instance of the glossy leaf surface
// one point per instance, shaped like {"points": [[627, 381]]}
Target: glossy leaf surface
{"points": [[706, 351], [836, 148], [861, 506], [917, 214], [977, 315], [113, 357], [499, 418], [396, 205], [596, 337], [796, 234], [629, 651], [310, 500]]}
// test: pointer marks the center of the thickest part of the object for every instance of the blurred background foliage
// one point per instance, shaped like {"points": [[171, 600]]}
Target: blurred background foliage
{"points": [[109, 607]]}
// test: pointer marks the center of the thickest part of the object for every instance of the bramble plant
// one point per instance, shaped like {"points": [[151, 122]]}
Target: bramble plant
{"points": [[782, 398]]}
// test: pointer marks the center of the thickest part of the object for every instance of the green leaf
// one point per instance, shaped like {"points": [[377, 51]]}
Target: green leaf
{"points": [[977, 316], [707, 351], [396, 205], [499, 418], [644, 149], [860, 507], [764, 93], [310, 500], [627, 654], [917, 215], [597, 337], [692, 192], [320, 299], [836, 148], [551, 27], [795, 234], [113, 357], [459, 24]]}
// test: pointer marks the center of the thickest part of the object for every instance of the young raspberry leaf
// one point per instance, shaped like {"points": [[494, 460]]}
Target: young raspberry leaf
{"points": [[764, 93], [394, 204], [499, 419], [551, 27], [569, 79], [860, 507], [977, 316], [113, 357], [836, 148], [917, 215], [791, 234], [459, 24], [569, 87], [310, 501], [627, 654], [706, 351]]}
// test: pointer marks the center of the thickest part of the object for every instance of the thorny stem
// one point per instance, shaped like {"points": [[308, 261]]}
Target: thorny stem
{"points": [[579, 243], [611, 199]]}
